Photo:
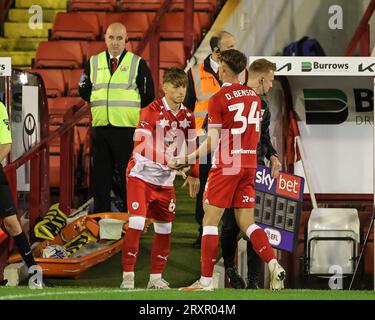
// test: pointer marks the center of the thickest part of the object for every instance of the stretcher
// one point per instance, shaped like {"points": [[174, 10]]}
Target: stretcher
{"points": [[73, 266]]}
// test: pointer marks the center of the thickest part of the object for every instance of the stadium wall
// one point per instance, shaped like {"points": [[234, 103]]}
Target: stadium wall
{"points": [[265, 27]]}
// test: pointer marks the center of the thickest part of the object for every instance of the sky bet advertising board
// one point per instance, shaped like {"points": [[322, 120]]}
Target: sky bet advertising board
{"points": [[278, 205]]}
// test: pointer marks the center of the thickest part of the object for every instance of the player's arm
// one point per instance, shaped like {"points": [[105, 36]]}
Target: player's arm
{"points": [[4, 150], [193, 179], [265, 140], [215, 121], [208, 146], [5, 134]]}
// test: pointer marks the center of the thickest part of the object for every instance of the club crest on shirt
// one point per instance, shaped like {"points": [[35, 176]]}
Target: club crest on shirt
{"points": [[135, 205], [172, 206], [82, 80]]}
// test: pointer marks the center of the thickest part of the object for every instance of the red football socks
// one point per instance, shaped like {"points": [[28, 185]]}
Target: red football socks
{"points": [[130, 249], [160, 252]]}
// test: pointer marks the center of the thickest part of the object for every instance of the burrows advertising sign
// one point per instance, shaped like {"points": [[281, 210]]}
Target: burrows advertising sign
{"points": [[5, 67], [322, 66], [278, 204]]}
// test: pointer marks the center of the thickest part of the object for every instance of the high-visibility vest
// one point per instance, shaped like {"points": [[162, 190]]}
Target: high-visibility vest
{"points": [[115, 99], [206, 86]]}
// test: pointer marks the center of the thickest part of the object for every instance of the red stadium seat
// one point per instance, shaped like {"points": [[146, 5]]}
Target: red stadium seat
{"points": [[58, 106], [172, 26], [136, 23], [99, 5], [81, 137], [201, 5], [73, 81], [172, 54], [54, 82], [94, 48], [59, 54], [84, 26], [204, 19], [138, 5], [148, 5]]}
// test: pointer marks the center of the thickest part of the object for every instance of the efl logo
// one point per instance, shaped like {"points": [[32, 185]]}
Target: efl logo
{"points": [[274, 236], [288, 186]]}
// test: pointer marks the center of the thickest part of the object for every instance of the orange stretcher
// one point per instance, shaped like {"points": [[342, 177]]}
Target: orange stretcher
{"points": [[73, 267]]}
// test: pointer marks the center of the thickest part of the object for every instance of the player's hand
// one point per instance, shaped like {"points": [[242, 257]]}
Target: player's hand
{"points": [[193, 186], [275, 166], [183, 174], [176, 164]]}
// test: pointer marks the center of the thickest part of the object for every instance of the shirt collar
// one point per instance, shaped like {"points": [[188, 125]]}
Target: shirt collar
{"points": [[167, 107], [226, 84], [214, 65], [118, 57]]}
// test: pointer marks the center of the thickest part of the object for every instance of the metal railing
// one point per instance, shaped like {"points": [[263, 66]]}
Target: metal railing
{"points": [[362, 34], [35, 156]]}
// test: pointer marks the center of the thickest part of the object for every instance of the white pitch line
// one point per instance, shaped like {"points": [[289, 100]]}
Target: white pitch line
{"points": [[21, 296]]}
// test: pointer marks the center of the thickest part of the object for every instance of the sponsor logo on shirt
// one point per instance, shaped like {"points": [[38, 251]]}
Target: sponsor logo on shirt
{"points": [[6, 122], [242, 151]]}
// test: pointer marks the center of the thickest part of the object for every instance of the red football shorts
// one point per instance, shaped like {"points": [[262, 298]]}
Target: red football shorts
{"points": [[230, 191], [149, 200]]}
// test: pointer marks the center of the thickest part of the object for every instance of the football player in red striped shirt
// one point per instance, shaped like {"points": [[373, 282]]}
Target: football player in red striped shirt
{"points": [[233, 135], [165, 126]]}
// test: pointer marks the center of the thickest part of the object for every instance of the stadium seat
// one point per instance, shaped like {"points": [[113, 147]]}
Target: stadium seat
{"points": [[59, 54], [172, 26], [95, 5], [77, 25], [171, 54], [204, 19], [81, 137], [58, 106], [200, 5], [54, 82], [73, 81], [137, 5], [94, 48], [136, 23], [154, 5]]}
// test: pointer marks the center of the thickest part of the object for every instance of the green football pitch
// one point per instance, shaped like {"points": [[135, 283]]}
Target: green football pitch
{"points": [[95, 293], [102, 281]]}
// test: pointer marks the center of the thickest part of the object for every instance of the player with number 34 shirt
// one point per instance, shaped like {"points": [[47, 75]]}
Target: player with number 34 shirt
{"points": [[236, 110]]}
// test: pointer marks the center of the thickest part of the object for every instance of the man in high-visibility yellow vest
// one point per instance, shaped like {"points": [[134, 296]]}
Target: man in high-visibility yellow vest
{"points": [[117, 83], [203, 83]]}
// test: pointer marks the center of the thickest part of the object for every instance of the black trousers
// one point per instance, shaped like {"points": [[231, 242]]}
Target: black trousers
{"points": [[229, 235], [7, 207], [112, 148], [204, 169]]}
